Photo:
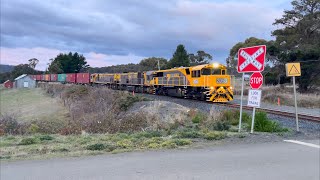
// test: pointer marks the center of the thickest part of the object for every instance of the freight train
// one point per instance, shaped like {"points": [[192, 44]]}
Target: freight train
{"points": [[208, 82]]}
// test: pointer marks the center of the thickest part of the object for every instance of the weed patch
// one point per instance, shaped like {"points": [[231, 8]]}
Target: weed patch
{"points": [[214, 135], [28, 141]]}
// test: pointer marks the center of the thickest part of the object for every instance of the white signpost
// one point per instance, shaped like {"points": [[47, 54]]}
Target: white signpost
{"points": [[254, 98]]}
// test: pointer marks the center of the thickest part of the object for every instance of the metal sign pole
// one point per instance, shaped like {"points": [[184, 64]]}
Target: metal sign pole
{"points": [[252, 123], [295, 101], [240, 119]]}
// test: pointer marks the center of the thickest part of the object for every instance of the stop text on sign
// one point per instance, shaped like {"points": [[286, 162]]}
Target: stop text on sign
{"points": [[256, 80]]}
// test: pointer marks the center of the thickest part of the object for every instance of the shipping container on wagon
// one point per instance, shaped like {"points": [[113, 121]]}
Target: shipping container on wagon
{"points": [[53, 77], [62, 77], [71, 78], [42, 77], [38, 77], [83, 78], [47, 77]]}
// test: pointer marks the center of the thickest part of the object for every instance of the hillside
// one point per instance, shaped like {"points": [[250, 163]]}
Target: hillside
{"points": [[5, 68]]}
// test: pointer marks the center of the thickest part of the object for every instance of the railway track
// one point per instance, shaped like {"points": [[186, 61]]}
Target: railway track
{"points": [[306, 117]]}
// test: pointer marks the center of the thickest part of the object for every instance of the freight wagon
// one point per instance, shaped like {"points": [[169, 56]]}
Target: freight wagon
{"points": [[53, 77], [47, 77], [71, 78], [83, 78], [62, 77], [38, 77]]}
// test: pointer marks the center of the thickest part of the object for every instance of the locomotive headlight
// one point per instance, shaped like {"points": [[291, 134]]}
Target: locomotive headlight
{"points": [[215, 65], [231, 87], [212, 88]]}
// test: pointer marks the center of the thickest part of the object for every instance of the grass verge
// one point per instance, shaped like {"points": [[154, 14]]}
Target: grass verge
{"points": [[40, 146]]}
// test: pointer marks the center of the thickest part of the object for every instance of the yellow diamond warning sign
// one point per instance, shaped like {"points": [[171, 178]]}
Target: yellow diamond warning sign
{"points": [[293, 69]]}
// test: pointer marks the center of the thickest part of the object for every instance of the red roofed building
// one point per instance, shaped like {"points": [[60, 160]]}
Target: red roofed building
{"points": [[8, 84]]}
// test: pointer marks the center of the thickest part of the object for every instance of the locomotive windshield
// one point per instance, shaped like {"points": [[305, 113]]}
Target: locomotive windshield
{"points": [[207, 71]]}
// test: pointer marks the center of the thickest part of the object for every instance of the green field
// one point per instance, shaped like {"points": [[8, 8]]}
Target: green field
{"points": [[31, 104]]}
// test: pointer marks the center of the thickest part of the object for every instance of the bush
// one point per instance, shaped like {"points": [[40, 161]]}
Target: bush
{"points": [[33, 128], [27, 141], [233, 116], [198, 117], [10, 125], [182, 142], [188, 133], [221, 126], [263, 124], [212, 135], [96, 147], [46, 138], [168, 144], [125, 143]]}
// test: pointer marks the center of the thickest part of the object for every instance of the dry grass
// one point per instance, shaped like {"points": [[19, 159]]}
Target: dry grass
{"points": [[31, 104], [286, 96]]}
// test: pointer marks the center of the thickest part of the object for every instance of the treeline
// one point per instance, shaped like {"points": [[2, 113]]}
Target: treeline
{"points": [[17, 71]]}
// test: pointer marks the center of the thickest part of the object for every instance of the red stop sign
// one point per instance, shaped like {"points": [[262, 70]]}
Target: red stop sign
{"points": [[256, 80]]}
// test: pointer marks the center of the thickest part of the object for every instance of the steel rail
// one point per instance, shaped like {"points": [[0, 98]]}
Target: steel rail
{"points": [[301, 116]]}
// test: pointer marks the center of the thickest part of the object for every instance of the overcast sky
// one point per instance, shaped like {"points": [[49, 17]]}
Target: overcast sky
{"points": [[109, 32]]}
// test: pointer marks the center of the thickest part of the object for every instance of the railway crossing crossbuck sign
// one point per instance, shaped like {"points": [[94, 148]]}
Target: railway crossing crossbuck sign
{"points": [[256, 80], [251, 59]]}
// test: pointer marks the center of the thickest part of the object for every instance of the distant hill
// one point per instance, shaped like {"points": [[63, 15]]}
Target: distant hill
{"points": [[6, 68]]}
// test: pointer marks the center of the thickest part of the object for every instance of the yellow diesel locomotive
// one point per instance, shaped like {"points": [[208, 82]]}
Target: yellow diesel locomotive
{"points": [[209, 82]]}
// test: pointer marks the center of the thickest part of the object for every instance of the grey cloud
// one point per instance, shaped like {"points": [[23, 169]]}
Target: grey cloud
{"points": [[144, 28]]}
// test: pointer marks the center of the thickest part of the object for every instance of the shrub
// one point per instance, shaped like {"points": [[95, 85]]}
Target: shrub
{"points": [[46, 138], [168, 144], [198, 117], [110, 147], [33, 128], [233, 116], [125, 143], [156, 140], [221, 126], [27, 141], [10, 125], [153, 145], [96, 147], [182, 142], [188, 133], [212, 135], [263, 124]]}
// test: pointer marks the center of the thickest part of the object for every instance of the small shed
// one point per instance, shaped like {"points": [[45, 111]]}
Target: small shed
{"points": [[24, 81], [8, 84]]}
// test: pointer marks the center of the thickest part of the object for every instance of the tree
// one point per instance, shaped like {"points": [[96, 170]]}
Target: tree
{"points": [[152, 63], [33, 63], [22, 69], [68, 63], [299, 40], [180, 58], [201, 58]]}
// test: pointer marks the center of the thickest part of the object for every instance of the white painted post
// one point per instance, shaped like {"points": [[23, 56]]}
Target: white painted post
{"points": [[240, 119], [252, 123], [295, 101]]}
